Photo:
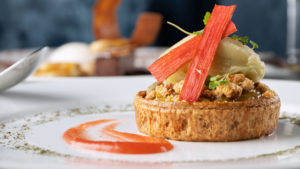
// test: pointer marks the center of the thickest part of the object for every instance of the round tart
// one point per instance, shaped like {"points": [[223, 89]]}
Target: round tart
{"points": [[208, 87], [207, 120]]}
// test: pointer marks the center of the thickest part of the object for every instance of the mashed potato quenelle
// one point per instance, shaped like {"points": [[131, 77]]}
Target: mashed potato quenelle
{"points": [[231, 57]]}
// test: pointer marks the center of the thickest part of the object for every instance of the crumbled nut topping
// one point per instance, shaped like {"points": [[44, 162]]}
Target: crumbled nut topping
{"points": [[178, 86], [230, 90], [261, 87], [238, 86], [236, 78], [164, 90], [268, 94], [151, 95]]}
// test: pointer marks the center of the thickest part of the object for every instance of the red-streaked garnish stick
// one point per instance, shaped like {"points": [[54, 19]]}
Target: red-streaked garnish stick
{"points": [[205, 52], [168, 64], [230, 29]]}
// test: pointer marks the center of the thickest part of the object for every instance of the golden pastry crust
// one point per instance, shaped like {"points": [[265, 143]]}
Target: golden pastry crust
{"points": [[60, 69], [115, 47], [207, 121]]}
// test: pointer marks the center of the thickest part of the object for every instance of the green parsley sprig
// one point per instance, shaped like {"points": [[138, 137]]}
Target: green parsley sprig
{"points": [[214, 81], [245, 40], [184, 31], [254, 45], [205, 20]]}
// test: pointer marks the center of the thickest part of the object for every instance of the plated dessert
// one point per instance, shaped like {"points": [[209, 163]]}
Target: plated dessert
{"points": [[71, 59], [100, 58], [208, 87]]}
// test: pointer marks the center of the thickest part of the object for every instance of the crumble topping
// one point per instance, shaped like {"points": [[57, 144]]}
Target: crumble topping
{"points": [[238, 87]]}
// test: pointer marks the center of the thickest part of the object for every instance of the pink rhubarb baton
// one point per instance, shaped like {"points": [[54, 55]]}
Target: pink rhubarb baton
{"points": [[205, 52], [168, 64]]}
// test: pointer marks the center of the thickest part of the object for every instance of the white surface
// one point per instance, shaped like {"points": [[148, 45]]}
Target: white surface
{"points": [[46, 94], [286, 137]]}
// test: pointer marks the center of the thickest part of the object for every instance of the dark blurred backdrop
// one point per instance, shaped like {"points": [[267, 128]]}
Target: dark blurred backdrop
{"points": [[33, 23]]}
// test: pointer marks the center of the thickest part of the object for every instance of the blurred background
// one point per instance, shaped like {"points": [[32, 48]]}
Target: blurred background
{"points": [[29, 24]]}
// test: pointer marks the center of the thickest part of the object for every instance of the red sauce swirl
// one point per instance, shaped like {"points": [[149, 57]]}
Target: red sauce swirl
{"points": [[126, 143]]}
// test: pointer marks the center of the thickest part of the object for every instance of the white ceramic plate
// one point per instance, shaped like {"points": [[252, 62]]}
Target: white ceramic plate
{"points": [[37, 112]]}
